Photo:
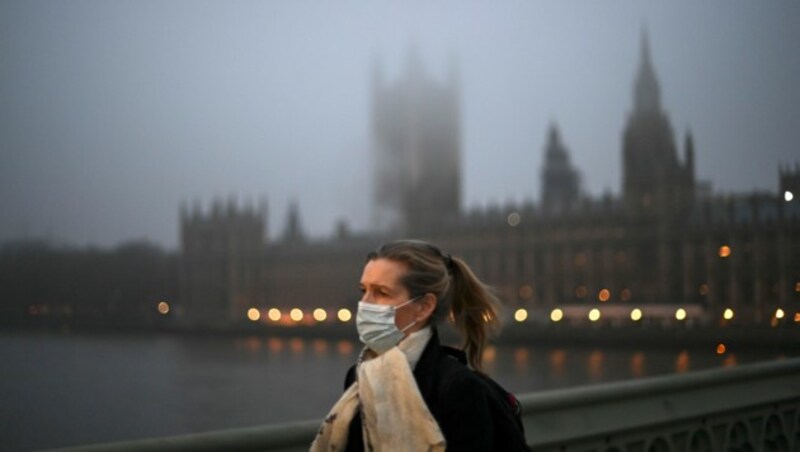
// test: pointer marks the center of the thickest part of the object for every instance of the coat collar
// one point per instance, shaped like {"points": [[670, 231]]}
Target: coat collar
{"points": [[427, 368]]}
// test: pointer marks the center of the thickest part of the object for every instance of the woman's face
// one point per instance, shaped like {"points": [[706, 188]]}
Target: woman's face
{"points": [[380, 284]]}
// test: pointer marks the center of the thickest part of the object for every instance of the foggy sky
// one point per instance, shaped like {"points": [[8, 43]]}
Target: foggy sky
{"points": [[112, 113]]}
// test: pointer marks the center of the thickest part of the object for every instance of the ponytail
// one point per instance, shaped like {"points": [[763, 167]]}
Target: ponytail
{"points": [[475, 311], [461, 296]]}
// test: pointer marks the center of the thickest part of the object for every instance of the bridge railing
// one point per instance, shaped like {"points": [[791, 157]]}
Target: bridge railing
{"points": [[748, 408]]}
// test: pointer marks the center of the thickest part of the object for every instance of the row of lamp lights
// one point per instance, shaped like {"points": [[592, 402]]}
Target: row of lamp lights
{"points": [[636, 314], [520, 315], [297, 314]]}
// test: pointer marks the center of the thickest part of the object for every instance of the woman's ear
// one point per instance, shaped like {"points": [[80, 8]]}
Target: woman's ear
{"points": [[426, 307]]}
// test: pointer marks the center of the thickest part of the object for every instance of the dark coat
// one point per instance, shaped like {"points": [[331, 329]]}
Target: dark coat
{"points": [[455, 396]]}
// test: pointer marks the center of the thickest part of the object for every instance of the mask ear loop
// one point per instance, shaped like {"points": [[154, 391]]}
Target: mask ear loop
{"points": [[414, 322], [408, 302]]}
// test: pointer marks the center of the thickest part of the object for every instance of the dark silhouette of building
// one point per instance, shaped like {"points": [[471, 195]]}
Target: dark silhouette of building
{"points": [[667, 243], [417, 149], [221, 262], [560, 181], [654, 182]]}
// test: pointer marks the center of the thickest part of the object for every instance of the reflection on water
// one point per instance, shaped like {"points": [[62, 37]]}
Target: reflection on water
{"points": [[557, 363], [682, 362], [137, 386], [637, 364], [595, 366], [489, 355], [320, 347], [521, 360], [561, 366]]}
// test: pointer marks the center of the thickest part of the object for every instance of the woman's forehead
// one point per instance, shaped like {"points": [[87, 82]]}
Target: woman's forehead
{"points": [[383, 272]]}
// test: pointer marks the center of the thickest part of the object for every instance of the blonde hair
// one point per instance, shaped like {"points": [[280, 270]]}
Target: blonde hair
{"points": [[461, 296]]}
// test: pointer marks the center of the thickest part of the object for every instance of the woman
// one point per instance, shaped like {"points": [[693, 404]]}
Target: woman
{"points": [[408, 392]]}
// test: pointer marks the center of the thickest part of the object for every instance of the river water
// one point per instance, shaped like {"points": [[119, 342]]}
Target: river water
{"points": [[64, 390]]}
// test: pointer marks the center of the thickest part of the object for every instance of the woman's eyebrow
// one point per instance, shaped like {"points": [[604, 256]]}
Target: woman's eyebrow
{"points": [[383, 287]]}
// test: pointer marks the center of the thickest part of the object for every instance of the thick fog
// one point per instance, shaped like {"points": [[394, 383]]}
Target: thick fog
{"points": [[113, 113]]}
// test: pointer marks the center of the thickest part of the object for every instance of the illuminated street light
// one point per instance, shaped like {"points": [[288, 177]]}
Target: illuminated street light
{"points": [[788, 196], [274, 314], [344, 315], [521, 315], [556, 315], [296, 314], [253, 314], [779, 314], [604, 295], [320, 315], [636, 315], [594, 315], [680, 314], [728, 314], [724, 251]]}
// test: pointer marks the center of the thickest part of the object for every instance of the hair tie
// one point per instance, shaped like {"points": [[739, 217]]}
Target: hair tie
{"points": [[448, 261]]}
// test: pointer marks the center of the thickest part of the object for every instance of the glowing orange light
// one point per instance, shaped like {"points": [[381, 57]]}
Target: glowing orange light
{"points": [[797, 286], [682, 362], [604, 295], [163, 308], [253, 314], [721, 348], [797, 317], [724, 251]]}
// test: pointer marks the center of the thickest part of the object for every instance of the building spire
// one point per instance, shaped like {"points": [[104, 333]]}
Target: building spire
{"points": [[647, 94], [293, 233], [560, 181]]}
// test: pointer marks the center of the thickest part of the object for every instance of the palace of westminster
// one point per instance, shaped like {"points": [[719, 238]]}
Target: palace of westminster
{"points": [[666, 243]]}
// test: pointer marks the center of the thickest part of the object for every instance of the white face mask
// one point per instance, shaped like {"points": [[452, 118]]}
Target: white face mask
{"points": [[376, 327]]}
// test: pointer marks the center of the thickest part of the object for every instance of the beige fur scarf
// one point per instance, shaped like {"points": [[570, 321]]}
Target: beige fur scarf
{"points": [[394, 416]]}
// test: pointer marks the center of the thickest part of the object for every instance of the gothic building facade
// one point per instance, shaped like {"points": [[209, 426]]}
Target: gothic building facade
{"points": [[661, 245]]}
